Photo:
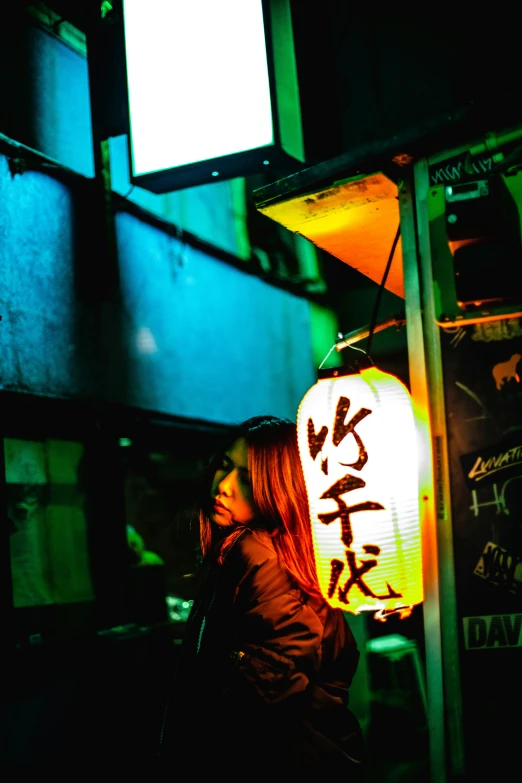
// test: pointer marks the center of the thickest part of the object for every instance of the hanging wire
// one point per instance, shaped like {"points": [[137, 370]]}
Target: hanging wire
{"points": [[327, 355], [378, 298], [353, 347], [362, 350], [381, 289]]}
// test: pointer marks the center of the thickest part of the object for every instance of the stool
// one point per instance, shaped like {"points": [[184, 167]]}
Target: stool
{"points": [[398, 700]]}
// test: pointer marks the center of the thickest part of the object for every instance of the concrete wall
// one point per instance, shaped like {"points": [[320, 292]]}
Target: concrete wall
{"points": [[183, 333]]}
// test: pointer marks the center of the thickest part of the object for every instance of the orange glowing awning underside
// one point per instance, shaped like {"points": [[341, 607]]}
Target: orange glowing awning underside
{"points": [[355, 220]]}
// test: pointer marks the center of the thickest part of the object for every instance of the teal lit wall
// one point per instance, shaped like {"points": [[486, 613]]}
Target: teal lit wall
{"points": [[184, 332]]}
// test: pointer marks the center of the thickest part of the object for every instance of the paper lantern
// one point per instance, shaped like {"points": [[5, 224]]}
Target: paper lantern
{"points": [[358, 448]]}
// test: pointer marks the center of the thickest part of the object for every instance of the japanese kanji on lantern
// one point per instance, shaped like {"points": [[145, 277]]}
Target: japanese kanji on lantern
{"points": [[358, 448]]}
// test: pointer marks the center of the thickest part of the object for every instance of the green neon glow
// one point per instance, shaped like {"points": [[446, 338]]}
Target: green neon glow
{"points": [[105, 9], [390, 643], [197, 80], [324, 325]]}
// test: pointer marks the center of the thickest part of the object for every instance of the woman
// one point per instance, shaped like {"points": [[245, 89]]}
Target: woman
{"points": [[265, 665]]}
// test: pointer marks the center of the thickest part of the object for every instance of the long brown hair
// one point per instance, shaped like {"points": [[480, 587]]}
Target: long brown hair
{"points": [[279, 494]]}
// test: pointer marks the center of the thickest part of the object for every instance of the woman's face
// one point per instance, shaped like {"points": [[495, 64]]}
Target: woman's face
{"points": [[231, 490]]}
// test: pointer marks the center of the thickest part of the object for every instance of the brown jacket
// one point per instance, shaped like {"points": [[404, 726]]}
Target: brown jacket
{"points": [[265, 670]]}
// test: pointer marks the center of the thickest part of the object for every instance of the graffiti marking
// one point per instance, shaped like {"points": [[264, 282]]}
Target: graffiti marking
{"points": [[499, 499], [452, 172], [494, 331], [477, 399]]}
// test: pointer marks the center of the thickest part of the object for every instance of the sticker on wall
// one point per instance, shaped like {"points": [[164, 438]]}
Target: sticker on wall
{"points": [[493, 631], [505, 372], [492, 464], [500, 568]]}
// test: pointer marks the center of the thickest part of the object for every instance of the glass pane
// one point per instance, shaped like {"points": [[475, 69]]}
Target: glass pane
{"points": [[160, 489], [48, 534]]}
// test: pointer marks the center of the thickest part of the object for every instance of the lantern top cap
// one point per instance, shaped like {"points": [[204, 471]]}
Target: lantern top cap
{"points": [[365, 363]]}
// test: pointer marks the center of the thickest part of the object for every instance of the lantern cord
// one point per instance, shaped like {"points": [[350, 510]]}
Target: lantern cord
{"points": [[381, 289], [373, 324], [336, 345], [327, 355]]}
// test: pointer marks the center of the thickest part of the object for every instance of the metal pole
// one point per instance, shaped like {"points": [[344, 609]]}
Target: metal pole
{"points": [[444, 524], [419, 389]]}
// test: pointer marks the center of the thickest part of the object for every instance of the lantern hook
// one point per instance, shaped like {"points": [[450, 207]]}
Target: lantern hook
{"points": [[347, 340]]}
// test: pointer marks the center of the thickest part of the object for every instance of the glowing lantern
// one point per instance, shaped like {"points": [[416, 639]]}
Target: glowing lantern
{"points": [[358, 448]]}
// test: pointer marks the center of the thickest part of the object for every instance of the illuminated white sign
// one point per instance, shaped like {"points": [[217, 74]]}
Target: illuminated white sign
{"points": [[199, 91]]}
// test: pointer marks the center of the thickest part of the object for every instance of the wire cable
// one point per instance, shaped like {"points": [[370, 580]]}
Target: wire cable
{"points": [[381, 289]]}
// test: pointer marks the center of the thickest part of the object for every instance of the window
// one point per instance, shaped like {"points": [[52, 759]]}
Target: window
{"points": [[162, 471], [47, 525]]}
